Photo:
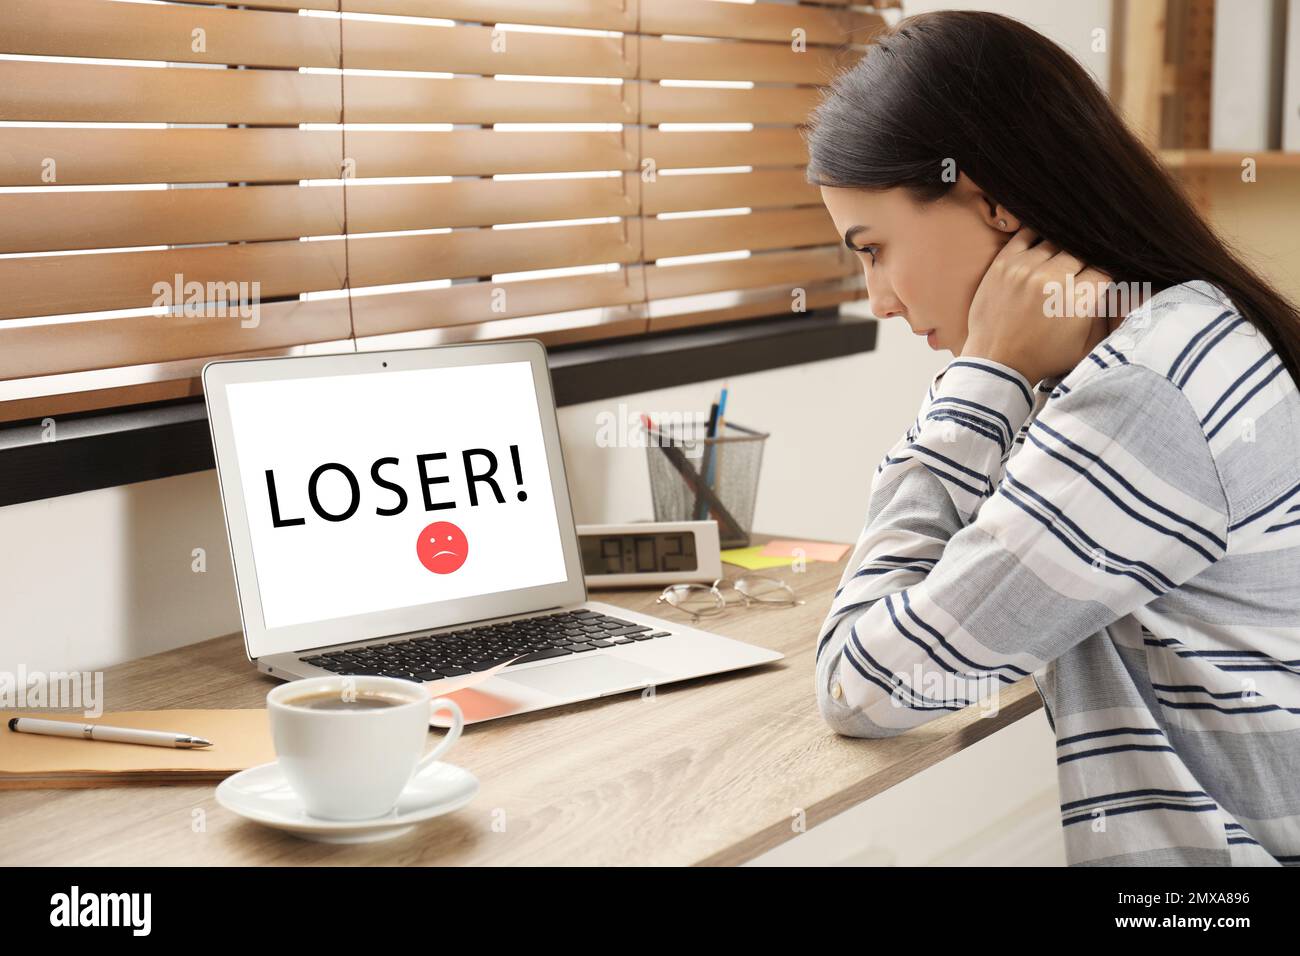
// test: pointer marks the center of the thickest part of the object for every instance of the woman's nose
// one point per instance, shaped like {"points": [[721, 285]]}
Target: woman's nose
{"points": [[880, 295], [884, 304]]}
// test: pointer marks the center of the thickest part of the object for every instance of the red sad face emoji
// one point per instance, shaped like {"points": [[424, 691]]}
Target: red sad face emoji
{"points": [[442, 547]]}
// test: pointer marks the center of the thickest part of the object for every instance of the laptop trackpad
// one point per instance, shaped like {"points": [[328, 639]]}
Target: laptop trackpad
{"points": [[585, 677]]}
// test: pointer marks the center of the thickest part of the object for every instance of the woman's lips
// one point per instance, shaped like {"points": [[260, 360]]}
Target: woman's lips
{"points": [[929, 336]]}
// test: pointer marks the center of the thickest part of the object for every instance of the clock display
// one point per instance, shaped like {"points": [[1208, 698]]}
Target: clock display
{"points": [[638, 553]]}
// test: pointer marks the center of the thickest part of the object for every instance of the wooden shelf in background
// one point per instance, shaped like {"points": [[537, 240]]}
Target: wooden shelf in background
{"points": [[1212, 159]]}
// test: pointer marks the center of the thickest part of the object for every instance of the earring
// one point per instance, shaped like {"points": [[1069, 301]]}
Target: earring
{"points": [[1002, 223]]}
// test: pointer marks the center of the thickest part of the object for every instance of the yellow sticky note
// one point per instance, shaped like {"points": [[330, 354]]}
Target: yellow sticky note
{"points": [[752, 559]]}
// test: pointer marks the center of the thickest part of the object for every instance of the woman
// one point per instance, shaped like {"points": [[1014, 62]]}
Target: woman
{"points": [[1107, 498]]}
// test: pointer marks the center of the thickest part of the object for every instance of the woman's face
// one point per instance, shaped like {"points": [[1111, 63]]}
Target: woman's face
{"points": [[923, 261]]}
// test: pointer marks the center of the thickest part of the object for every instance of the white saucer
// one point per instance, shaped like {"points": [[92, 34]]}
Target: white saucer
{"points": [[263, 795]]}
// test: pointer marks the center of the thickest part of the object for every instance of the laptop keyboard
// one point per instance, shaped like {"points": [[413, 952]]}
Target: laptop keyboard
{"points": [[456, 653]]}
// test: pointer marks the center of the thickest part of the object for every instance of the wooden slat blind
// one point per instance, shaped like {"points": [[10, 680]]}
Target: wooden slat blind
{"points": [[356, 159]]}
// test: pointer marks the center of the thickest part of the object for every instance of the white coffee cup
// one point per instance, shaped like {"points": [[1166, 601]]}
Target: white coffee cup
{"points": [[352, 764]]}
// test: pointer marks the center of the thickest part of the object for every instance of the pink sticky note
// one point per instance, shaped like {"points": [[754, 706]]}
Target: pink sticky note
{"points": [[474, 704], [812, 550], [448, 685]]}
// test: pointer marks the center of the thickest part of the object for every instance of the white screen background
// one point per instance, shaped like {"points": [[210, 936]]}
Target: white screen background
{"points": [[324, 570]]}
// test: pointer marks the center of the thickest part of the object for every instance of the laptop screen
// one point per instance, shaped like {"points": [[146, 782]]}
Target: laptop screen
{"points": [[385, 490]]}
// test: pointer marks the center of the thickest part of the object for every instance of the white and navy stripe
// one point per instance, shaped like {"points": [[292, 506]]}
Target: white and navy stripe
{"points": [[1130, 536]]}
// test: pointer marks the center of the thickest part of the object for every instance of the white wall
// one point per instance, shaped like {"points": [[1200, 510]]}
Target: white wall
{"points": [[1068, 22]]}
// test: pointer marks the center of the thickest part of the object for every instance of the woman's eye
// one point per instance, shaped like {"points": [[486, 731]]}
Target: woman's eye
{"points": [[870, 251]]}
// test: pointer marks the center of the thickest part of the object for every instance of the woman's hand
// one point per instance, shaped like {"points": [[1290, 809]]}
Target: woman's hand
{"points": [[1014, 319]]}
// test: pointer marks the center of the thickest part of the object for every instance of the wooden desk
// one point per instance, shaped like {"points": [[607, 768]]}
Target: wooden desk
{"points": [[708, 771]]}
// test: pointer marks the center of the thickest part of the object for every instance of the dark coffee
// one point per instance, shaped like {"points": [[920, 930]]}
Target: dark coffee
{"points": [[335, 700]]}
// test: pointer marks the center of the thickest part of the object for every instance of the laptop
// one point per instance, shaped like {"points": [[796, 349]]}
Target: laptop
{"points": [[406, 513]]}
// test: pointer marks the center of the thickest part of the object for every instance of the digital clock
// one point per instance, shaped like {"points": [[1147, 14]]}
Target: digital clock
{"points": [[649, 553]]}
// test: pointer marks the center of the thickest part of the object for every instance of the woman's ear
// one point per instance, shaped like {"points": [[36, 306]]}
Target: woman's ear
{"points": [[999, 217], [995, 215]]}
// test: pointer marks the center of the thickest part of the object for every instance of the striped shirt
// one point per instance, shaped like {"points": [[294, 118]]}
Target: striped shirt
{"points": [[1129, 535]]}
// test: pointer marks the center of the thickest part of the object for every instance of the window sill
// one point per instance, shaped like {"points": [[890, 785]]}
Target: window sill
{"points": [[104, 449]]}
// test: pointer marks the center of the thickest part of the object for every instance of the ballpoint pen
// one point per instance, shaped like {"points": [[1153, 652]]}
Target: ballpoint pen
{"points": [[715, 456], [121, 735]]}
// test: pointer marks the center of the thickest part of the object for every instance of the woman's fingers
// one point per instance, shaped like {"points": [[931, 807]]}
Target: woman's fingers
{"points": [[1029, 251], [1090, 292], [1028, 280], [1020, 241], [1040, 254], [1062, 262]]}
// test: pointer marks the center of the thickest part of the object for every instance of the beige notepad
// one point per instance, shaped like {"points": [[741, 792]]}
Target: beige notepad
{"points": [[240, 739]]}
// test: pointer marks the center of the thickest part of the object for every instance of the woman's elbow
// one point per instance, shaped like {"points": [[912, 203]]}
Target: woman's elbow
{"points": [[846, 719]]}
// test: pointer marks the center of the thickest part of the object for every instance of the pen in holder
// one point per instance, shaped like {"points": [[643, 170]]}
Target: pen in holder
{"points": [[680, 466]]}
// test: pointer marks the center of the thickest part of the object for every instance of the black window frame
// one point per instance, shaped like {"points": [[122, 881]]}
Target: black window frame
{"points": [[103, 449]]}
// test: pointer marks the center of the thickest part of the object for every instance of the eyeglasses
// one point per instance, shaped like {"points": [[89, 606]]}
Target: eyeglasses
{"points": [[707, 600]]}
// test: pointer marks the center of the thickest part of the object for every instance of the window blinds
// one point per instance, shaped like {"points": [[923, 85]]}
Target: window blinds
{"points": [[180, 181]]}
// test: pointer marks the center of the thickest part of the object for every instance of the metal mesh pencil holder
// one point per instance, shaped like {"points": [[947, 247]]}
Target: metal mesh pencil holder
{"points": [[697, 478]]}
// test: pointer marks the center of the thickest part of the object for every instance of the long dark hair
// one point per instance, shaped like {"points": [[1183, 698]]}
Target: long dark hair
{"points": [[1023, 119]]}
